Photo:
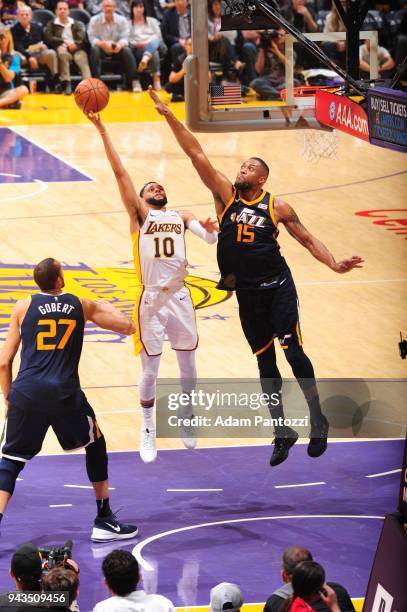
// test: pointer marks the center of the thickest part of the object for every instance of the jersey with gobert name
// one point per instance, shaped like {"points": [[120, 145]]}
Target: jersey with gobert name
{"points": [[52, 339], [159, 250]]}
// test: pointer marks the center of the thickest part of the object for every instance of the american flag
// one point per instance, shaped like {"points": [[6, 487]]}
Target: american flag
{"points": [[226, 94]]}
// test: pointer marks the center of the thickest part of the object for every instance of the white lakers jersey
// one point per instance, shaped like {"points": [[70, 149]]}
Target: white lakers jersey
{"points": [[159, 250]]}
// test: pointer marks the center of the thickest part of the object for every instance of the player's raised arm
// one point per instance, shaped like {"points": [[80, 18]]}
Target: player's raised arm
{"points": [[286, 214], [134, 204], [220, 186], [10, 348], [106, 316]]}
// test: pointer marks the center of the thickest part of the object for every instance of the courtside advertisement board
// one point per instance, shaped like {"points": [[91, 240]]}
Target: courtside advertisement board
{"points": [[387, 113], [342, 114]]}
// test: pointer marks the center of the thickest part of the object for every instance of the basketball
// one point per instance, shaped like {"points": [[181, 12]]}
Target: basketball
{"points": [[91, 95]]}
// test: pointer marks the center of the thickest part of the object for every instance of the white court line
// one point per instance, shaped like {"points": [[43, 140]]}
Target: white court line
{"points": [[147, 567], [191, 490], [85, 487], [383, 473], [12, 175], [43, 187], [354, 282], [18, 479], [305, 484], [60, 505], [41, 146]]}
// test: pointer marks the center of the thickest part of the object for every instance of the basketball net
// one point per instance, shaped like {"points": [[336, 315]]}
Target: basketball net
{"points": [[318, 144]]}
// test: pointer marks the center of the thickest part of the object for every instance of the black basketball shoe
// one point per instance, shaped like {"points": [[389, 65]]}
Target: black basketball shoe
{"points": [[108, 528], [319, 437], [282, 446]]}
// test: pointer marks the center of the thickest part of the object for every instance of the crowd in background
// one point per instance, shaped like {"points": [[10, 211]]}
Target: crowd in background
{"points": [[304, 585], [146, 42]]}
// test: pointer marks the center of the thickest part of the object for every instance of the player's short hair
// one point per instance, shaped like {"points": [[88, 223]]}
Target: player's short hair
{"points": [[292, 556], [62, 579], [263, 165], [46, 273], [144, 187], [121, 572]]}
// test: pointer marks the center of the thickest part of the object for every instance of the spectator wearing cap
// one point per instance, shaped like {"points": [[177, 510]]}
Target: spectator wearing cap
{"points": [[26, 568], [226, 596], [108, 34], [11, 90], [121, 572], [292, 556]]}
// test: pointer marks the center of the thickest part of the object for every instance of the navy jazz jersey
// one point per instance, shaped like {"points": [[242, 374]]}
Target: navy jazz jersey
{"points": [[248, 252], [52, 338]]}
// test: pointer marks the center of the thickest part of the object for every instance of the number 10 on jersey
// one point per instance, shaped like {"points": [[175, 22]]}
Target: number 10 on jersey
{"points": [[164, 247]]}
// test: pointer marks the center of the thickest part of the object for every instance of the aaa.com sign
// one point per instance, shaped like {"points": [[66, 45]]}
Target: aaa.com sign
{"points": [[342, 114]]}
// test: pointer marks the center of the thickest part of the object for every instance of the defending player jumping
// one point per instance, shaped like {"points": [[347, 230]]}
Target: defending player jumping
{"points": [[47, 392], [164, 305], [251, 264]]}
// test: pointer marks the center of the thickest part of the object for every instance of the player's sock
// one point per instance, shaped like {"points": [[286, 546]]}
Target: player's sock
{"points": [[148, 422], [104, 508]]}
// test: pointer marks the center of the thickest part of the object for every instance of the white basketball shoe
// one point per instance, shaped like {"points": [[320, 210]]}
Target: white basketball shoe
{"points": [[148, 448]]}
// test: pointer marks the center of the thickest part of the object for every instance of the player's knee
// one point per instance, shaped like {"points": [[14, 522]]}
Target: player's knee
{"points": [[97, 460], [298, 360], [9, 471]]}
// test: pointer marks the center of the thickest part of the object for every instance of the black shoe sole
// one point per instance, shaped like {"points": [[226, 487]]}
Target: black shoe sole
{"points": [[318, 450], [282, 458]]}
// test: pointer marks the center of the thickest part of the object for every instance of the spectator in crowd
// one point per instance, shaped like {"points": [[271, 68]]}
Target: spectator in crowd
{"points": [[270, 66], [221, 48], [175, 85], [293, 556], [109, 36], [226, 596], [157, 8], [61, 579], [146, 41], [26, 568], [308, 584], [384, 59], [68, 38], [121, 572], [33, 52], [8, 11], [11, 90], [247, 44], [333, 23], [176, 27], [302, 17]]}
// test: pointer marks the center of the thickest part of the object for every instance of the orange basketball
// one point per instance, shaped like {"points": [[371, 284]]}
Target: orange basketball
{"points": [[91, 95]]}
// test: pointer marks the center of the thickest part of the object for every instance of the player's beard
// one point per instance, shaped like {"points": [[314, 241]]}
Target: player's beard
{"points": [[242, 185], [160, 203]]}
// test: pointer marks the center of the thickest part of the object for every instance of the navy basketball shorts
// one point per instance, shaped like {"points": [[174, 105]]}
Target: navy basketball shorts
{"points": [[268, 313], [26, 426]]}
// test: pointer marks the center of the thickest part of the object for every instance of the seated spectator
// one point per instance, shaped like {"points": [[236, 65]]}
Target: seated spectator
{"points": [[68, 38], [335, 50], [121, 572], [384, 59], [308, 584], [247, 45], [226, 596], [11, 90], [157, 8], [95, 6], [109, 36], [60, 579], [26, 568], [8, 11], [220, 47], [33, 52], [302, 17], [175, 85], [146, 41], [270, 66], [292, 556], [176, 27]]}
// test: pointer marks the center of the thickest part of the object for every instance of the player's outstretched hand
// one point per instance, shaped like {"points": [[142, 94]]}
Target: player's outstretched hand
{"points": [[210, 225], [96, 120], [348, 264], [159, 106]]}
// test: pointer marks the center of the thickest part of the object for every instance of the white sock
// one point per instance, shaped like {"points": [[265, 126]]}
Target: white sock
{"points": [[148, 422]]}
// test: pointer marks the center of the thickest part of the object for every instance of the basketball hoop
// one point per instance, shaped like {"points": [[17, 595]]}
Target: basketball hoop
{"points": [[318, 144]]}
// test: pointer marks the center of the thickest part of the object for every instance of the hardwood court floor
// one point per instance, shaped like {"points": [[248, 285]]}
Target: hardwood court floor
{"points": [[350, 323]]}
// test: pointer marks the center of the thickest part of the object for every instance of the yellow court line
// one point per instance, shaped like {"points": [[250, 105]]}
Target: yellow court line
{"points": [[258, 607]]}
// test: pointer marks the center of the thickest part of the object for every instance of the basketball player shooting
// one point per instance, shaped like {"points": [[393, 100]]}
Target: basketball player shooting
{"points": [[251, 264], [47, 393], [164, 306]]}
